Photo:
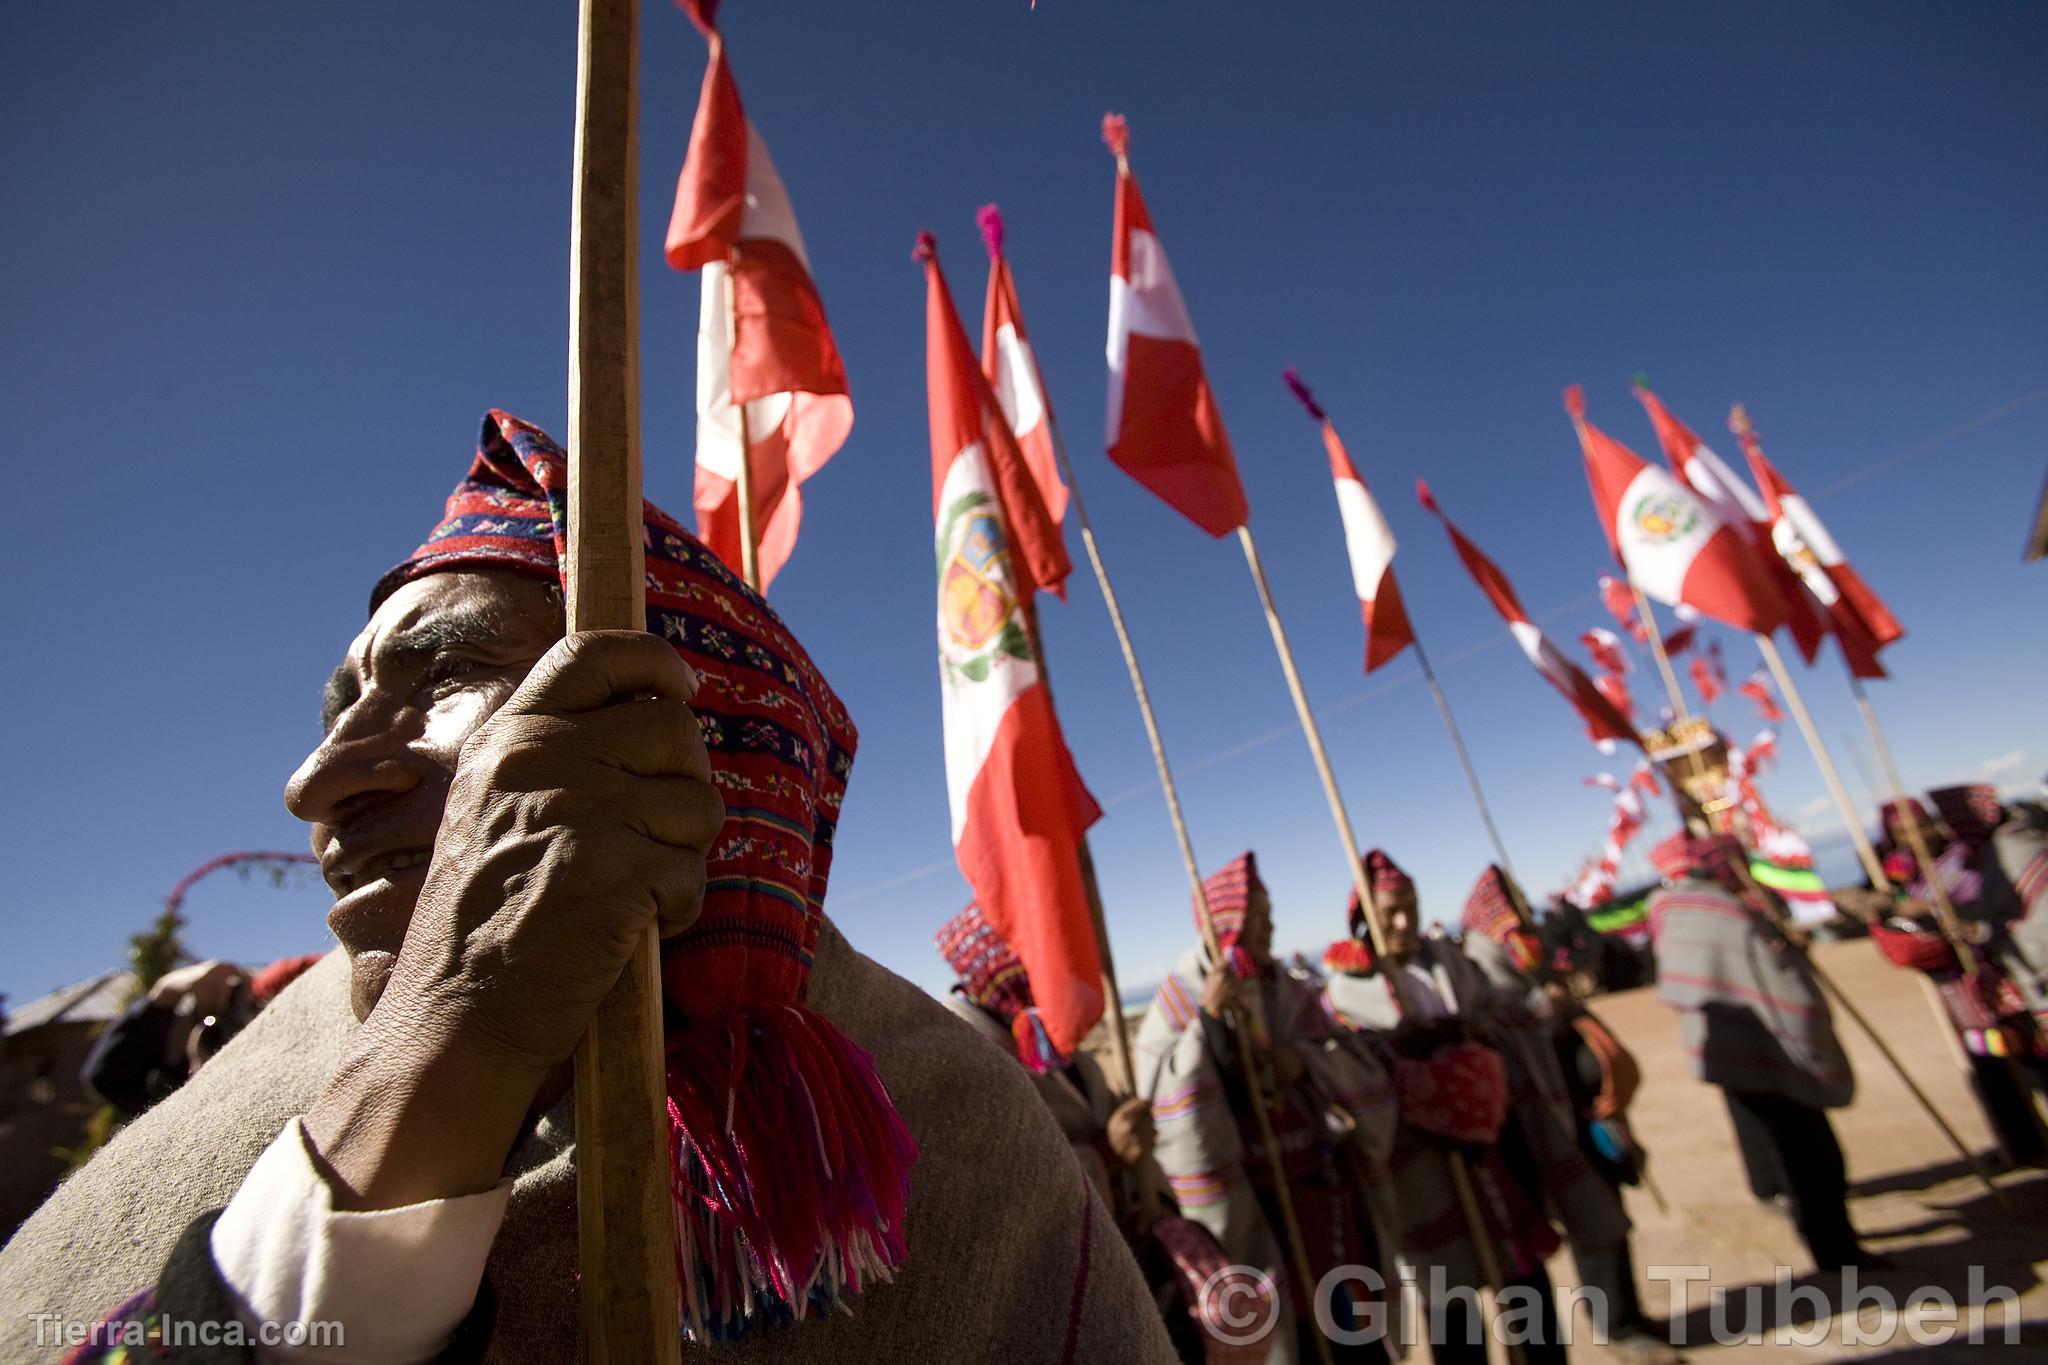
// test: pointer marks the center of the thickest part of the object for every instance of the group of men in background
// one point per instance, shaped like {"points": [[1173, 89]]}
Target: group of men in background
{"points": [[1444, 1115]]}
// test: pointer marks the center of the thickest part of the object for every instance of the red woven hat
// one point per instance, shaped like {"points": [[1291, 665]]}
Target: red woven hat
{"points": [[1490, 909], [792, 1165], [992, 976], [1385, 877], [1229, 893], [1974, 812], [1891, 813], [1684, 855]]}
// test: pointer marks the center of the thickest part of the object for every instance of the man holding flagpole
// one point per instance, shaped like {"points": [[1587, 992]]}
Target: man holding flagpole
{"points": [[391, 1145], [1456, 1090], [1213, 1147]]}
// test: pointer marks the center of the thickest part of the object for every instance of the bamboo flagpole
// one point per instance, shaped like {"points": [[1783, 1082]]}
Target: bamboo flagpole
{"points": [[625, 1220], [1461, 1180], [1443, 708], [1871, 865], [1291, 1225], [1944, 908], [1797, 705]]}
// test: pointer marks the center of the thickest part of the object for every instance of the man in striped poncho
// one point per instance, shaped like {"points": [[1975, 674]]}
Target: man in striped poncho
{"points": [[1328, 1107], [1756, 1024]]}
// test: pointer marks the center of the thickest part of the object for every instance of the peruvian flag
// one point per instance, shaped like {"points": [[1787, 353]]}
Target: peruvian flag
{"points": [[1732, 500], [1605, 647], [733, 222], [1862, 623], [1604, 723], [1012, 370], [1674, 547], [1164, 429], [1369, 541], [1615, 688], [1708, 674], [1019, 809], [1757, 687], [1621, 605]]}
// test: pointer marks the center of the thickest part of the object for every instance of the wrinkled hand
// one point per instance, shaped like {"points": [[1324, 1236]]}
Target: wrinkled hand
{"points": [[1219, 992], [1130, 1131], [580, 813]]}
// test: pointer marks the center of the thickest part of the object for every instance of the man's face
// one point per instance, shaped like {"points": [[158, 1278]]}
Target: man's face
{"points": [[438, 658], [1404, 925], [1256, 937]]}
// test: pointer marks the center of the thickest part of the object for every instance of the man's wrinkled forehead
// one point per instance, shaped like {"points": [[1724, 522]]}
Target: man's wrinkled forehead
{"points": [[495, 613]]}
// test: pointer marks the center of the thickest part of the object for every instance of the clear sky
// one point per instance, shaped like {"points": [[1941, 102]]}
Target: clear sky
{"points": [[265, 266]]}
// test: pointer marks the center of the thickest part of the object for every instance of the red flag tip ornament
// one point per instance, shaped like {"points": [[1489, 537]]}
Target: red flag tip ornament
{"points": [[1116, 134], [1575, 401], [703, 13], [991, 220], [1300, 390], [927, 247]]}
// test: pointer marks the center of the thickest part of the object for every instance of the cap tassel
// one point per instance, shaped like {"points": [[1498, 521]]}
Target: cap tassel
{"points": [[1575, 402], [791, 1169], [1116, 133], [991, 220], [927, 247], [1300, 390]]}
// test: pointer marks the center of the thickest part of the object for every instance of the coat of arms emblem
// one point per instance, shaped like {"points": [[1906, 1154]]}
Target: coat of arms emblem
{"points": [[1663, 517], [977, 606]]}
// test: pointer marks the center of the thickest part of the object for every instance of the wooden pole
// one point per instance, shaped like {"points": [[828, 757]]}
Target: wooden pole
{"points": [[1306, 716], [624, 1214], [1461, 1181], [1944, 909], [750, 550], [1443, 708], [1868, 855], [1291, 1226]]}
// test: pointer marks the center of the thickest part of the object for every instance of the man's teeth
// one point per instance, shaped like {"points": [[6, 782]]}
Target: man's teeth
{"points": [[385, 864]]}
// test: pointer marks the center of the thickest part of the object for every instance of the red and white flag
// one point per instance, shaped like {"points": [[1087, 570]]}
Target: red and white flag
{"points": [[1164, 429], [1674, 547], [1367, 539], [1757, 687], [733, 222], [1019, 808], [1862, 623], [1604, 723], [1708, 674], [1012, 369], [1605, 647], [1614, 687], [1733, 501], [1621, 605]]}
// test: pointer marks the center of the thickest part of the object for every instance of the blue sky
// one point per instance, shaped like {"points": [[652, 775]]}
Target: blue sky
{"points": [[266, 265]]}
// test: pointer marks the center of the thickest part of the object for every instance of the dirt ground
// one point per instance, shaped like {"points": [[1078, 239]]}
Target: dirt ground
{"points": [[1912, 1197]]}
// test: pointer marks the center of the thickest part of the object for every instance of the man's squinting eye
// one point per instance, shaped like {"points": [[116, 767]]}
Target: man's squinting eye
{"points": [[447, 671]]}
